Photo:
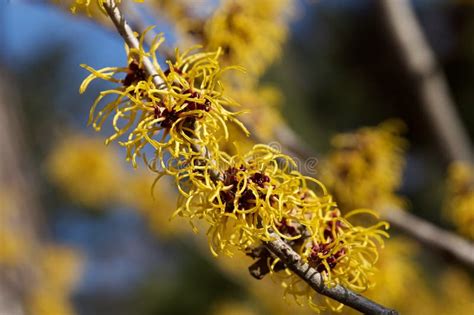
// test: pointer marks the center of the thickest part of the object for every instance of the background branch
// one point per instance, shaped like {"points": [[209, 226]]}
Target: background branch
{"points": [[427, 78], [431, 235]]}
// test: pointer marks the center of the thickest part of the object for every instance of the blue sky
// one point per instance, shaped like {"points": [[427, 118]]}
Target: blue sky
{"points": [[31, 28]]}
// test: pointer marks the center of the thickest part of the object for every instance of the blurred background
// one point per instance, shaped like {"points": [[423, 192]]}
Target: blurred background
{"points": [[86, 221]]}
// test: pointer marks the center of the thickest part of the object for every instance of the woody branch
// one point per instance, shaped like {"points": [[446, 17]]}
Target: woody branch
{"points": [[427, 78]]}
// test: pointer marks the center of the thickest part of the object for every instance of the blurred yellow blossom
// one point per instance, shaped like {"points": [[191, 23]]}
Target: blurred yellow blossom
{"points": [[61, 266], [365, 167], [58, 269], [455, 294], [85, 169], [46, 302], [263, 109], [14, 247], [459, 202], [250, 32], [157, 205], [232, 308], [50, 270], [398, 275]]}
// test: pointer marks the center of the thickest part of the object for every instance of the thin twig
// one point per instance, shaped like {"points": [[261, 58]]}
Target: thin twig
{"points": [[136, 21], [428, 233], [339, 293], [427, 77], [130, 39], [279, 247]]}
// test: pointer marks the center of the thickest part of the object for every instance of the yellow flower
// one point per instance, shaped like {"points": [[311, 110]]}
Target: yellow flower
{"points": [[184, 116], [459, 202], [365, 167]]}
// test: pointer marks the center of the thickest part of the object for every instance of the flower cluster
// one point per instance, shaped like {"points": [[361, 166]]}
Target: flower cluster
{"points": [[260, 193], [249, 196], [245, 199], [183, 116], [365, 167], [459, 204], [250, 34]]}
